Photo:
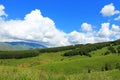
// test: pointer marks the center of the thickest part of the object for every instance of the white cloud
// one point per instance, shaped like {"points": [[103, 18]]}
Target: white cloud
{"points": [[101, 39], [109, 10], [115, 28], [117, 36], [117, 18], [86, 27], [80, 38], [33, 27], [36, 27], [2, 13], [76, 37], [104, 32]]}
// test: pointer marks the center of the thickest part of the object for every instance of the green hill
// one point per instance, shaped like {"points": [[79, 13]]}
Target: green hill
{"points": [[99, 61]]}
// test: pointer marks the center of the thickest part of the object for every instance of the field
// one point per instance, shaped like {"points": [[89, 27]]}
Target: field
{"points": [[55, 66]]}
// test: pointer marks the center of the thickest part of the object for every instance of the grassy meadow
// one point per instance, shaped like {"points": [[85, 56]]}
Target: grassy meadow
{"points": [[55, 66]]}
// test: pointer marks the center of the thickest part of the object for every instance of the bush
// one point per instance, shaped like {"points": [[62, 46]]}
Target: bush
{"points": [[89, 70], [111, 49], [117, 66], [107, 67], [102, 69], [106, 53], [118, 49]]}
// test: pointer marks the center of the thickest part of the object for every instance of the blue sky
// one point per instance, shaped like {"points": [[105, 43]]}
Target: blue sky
{"points": [[68, 15]]}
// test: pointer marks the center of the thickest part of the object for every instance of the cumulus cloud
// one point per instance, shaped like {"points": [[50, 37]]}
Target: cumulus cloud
{"points": [[102, 39], [117, 18], [109, 10], [86, 27], [115, 28], [37, 28], [115, 31], [2, 13], [104, 31], [34, 27], [76, 37]]}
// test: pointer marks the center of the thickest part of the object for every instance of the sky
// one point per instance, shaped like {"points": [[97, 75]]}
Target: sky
{"points": [[59, 22]]}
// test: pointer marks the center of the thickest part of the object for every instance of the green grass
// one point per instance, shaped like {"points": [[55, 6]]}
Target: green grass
{"points": [[79, 65], [13, 73], [54, 66]]}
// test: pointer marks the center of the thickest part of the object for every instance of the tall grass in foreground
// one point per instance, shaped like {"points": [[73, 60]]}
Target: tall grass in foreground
{"points": [[12, 73]]}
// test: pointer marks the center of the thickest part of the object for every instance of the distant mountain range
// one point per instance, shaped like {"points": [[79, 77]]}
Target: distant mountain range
{"points": [[20, 45]]}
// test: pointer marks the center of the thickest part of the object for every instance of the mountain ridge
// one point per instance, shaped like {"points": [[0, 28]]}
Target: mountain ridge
{"points": [[20, 45]]}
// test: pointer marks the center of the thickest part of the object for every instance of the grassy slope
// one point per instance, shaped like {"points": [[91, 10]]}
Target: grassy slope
{"points": [[53, 66]]}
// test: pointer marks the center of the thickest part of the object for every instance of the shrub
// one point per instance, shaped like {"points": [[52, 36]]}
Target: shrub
{"points": [[111, 49], [118, 49], [102, 68], [117, 66], [106, 53], [89, 70], [107, 66]]}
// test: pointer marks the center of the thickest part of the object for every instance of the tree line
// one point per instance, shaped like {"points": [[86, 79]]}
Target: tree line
{"points": [[112, 50], [57, 49], [18, 54], [87, 48]]}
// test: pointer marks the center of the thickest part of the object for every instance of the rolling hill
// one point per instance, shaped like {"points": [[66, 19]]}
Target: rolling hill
{"points": [[53, 63]]}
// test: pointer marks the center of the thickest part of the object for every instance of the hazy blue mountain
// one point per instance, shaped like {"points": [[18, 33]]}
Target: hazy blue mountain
{"points": [[20, 45]]}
